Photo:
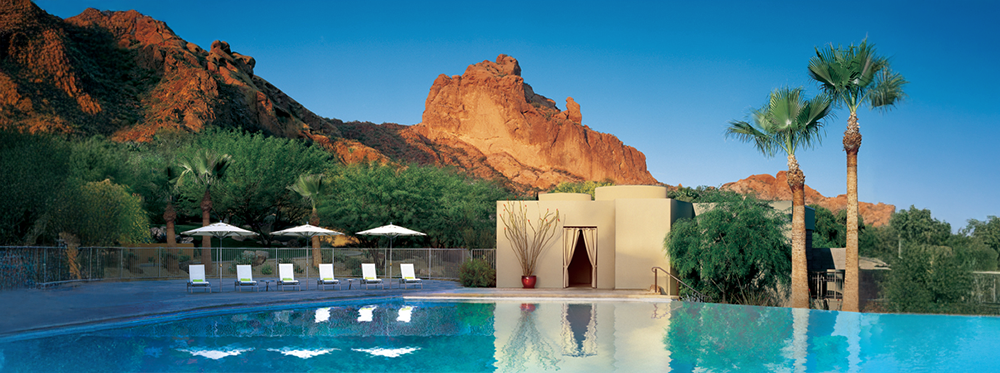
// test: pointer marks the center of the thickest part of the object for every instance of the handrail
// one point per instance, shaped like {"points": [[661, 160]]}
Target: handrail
{"points": [[700, 298]]}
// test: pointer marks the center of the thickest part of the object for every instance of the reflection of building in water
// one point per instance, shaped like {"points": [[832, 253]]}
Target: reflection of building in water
{"points": [[593, 337], [579, 331]]}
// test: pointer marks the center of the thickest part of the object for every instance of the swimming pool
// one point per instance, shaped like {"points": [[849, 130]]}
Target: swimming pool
{"points": [[442, 336]]}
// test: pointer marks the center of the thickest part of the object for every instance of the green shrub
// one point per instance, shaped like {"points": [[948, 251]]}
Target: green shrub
{"points": [[477, 273], [266, 269]]}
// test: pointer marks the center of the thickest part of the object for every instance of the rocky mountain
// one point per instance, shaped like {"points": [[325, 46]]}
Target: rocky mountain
{"points": [[775, 187], [491, 112], [126, 76]]}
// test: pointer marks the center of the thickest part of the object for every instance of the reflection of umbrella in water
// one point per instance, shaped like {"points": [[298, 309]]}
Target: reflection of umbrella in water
{"points": [[391, 231], [308, 231], [219, 230]]}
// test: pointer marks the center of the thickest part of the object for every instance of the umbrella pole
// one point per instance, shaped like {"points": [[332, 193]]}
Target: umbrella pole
{"points": [[390, 261], [219, 261]]}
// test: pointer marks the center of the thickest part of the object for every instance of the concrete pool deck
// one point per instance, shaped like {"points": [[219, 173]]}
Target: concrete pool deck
{"points": [[86, 303]]}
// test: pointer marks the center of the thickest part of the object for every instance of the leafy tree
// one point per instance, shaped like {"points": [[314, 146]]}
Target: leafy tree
{"points": [[700, 194], [255, 190], [879, 242], [35, 169], [986, 232], [929, 279], [101, 213], [447, 206], [916, 226], [855, 76], [830, 228], [786, 123], [582, 187], [310, 187], [734, 252]]}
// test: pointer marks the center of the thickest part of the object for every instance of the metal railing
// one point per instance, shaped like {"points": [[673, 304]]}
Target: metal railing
{"points": [[696, 297], [33, 266]]}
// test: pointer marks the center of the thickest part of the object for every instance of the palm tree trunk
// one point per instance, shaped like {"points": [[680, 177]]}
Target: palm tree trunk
{"points": [[169, 215], [317, 256], [800, 276], [206, 241], [852, 143]]}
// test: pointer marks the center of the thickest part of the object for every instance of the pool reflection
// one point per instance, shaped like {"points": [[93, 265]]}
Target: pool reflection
{"points": [[435, 336]]}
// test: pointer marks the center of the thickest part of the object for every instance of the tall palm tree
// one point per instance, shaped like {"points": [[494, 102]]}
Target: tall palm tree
{"points": [[310, 187], [786, 123], [205, 168], [855, 76]]}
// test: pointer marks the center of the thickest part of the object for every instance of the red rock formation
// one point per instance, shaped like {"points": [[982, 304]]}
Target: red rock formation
{"points": [[126, 75], [490, 110], [774, 188]]}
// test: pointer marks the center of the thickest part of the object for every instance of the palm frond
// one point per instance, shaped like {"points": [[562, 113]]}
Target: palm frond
{"points": [[204, 167], [855, 75], [888, 90], [746, 132], [309, 187], [786, 122]]}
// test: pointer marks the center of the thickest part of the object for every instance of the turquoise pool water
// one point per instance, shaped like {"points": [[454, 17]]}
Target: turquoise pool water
{"points": [[443, 336]]}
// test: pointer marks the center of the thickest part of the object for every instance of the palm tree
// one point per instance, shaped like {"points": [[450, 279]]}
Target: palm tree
{"points": [[788, 122], [170, 216], [854, 76], [205, 168], [310, 187]]}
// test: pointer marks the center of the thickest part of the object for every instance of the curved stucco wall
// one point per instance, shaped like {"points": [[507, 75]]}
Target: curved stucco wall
{"points": [[610, 193], [564, 197]]}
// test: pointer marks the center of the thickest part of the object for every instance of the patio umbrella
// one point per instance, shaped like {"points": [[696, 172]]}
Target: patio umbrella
{"points": [[392, 231], [308, 231], [219, 230]]}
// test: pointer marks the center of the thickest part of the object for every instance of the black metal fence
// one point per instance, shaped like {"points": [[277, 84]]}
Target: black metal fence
{"points": [[34, 266]]}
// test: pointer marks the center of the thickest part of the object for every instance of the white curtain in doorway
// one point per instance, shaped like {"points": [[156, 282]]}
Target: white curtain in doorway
{"points": [[571, 237]]}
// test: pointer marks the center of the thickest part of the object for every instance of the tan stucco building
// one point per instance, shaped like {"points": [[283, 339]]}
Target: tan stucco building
{"points": [[610, 242]]}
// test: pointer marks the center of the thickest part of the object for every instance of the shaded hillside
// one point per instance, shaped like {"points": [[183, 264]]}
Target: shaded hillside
{"points": [[126, 76]]}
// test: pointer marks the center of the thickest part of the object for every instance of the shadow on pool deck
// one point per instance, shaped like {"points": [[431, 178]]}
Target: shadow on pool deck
{"points": [[79, 304]]}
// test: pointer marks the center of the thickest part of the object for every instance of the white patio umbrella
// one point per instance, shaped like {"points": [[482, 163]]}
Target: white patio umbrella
{"points": [[308, 231], [392, 231], [220, 230]]}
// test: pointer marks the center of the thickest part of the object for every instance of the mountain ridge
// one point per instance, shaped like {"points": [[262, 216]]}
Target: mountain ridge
{"points": [[127, 76]]}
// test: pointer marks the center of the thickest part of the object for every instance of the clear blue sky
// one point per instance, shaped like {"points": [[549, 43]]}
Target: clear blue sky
{"points": [[665, 77]]}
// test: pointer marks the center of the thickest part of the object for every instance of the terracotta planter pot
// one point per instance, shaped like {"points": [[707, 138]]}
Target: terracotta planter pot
{"points": [[528, 281]]}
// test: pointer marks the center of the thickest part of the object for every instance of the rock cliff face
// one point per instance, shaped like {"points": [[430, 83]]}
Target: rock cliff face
{"points": [[769, 187], [490, 113], [126, 75]]}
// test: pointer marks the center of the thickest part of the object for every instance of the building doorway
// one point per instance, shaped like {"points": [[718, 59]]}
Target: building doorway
{"points": [[580, 257], [580, 270]]}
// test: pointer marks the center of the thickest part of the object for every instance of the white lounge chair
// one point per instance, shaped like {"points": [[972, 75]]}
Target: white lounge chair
{"points": [[408, 277], [286, 273], [197, 281], [326, 277], [244, 277], [369, 276]]}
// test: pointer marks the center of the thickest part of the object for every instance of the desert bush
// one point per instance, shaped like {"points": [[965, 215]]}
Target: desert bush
{"points": [[477, 273]]}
